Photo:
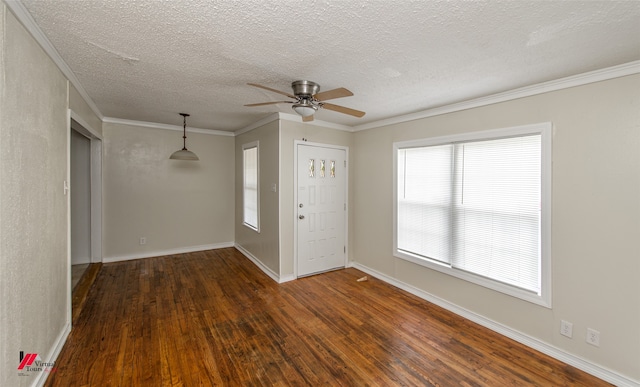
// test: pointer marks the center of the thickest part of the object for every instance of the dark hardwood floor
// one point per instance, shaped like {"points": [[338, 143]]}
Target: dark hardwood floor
{"points": [[213, 318], [81, 290]]}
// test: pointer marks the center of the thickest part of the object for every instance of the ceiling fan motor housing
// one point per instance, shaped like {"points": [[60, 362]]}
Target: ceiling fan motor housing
{"points": [[305, 88]]}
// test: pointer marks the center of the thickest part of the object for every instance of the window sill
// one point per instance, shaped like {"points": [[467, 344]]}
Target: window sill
{"points": [[525, 295]]}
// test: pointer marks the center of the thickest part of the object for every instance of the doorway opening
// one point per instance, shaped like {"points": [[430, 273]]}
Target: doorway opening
{"points": [[85, 209], [80, 190]]}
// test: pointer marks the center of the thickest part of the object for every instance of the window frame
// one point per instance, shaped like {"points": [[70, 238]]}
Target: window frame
{"points": [[542, 298], [245, 147]]}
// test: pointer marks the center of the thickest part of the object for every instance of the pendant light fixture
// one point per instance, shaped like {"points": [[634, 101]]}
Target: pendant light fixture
{"points": [[184, 153]]}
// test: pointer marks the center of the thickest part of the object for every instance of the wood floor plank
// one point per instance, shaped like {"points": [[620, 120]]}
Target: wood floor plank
{"points": [[214, 319], [81, 290]]}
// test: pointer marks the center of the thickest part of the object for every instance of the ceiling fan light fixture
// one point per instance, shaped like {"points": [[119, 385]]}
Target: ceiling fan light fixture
{"points": [[307, 99], [184, 153], [304, 108]]}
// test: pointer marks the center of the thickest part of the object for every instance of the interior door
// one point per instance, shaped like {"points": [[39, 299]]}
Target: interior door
{"points": [[321, 209]]}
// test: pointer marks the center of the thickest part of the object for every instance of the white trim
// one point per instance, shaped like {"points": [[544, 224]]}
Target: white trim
{"points": [[512, 131], [59, 342], [287, 278], [68, 199], [295, 199], [532, 342], [265, 269], [527, 91], [20, 12], [96, 200], [85, 125], [160, 253], [53, 353], [280, 204], [257, 124], [545, 130], [155, 125]]}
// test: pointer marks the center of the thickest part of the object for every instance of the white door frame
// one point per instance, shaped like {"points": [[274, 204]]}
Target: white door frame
{"points": [[96, 183], [296, 143]]}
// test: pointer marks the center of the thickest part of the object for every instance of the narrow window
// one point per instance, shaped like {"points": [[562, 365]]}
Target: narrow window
{"points": [[250, 186]]}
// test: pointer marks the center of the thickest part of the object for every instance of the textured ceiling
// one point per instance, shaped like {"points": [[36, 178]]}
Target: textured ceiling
{"points": [[147, 60]]}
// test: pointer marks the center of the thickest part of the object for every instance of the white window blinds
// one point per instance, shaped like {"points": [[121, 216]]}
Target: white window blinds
{"points": [[474, 206], [250, 186]]}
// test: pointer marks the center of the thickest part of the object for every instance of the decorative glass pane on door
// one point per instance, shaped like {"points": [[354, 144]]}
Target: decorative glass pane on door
{"points": [[333, 169], [312, 168], [322, 168]]}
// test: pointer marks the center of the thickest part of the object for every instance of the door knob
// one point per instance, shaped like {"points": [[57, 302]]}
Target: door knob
{"points": [[300, 216]]}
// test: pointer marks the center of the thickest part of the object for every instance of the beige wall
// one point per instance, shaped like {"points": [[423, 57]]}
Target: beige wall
{"points": [[34, 267], [263, 245], [289, 132], [595, 221], [174, 204]]}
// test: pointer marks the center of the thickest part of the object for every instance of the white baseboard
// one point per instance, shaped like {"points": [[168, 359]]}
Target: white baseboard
{"points": [[52, 356], [274, 276], [287, 278], [575, 361], [160, 253]]}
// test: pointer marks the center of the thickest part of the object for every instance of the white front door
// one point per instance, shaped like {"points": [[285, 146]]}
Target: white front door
{"points": [[321, 209]]}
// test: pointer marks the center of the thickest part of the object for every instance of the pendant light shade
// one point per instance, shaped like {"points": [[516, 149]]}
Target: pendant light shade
{"points": [[184, 153]]}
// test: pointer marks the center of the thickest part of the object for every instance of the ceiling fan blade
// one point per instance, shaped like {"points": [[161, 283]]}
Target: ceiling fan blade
{"points": [[273, 90], [332, 94], [342, 109], [307, 118], [267, 103]]}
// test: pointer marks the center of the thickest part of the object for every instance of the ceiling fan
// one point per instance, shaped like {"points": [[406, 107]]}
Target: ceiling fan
{"points": [[308, 99]]}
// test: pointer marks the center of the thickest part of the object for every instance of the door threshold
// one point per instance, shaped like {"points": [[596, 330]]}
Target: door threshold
{"points": [[322, 272]]}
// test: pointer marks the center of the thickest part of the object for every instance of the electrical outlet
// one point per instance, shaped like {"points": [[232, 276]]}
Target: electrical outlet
{"points": [[143, 240], [566, 328], [593, 337]]}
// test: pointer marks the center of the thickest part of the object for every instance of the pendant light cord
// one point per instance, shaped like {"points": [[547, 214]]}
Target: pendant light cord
{"points": [[184, 130]]}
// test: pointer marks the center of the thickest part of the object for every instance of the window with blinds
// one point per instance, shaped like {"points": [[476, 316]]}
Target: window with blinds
{"points": [[250, 187], [474, 206]]}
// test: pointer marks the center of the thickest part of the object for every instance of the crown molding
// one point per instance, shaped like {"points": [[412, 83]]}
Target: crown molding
{"points": [[270, 118], [527, 91], [24, 17], [155, 125]]}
